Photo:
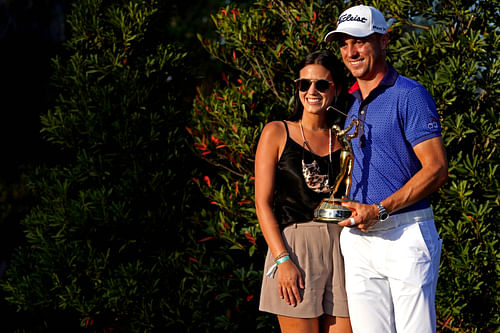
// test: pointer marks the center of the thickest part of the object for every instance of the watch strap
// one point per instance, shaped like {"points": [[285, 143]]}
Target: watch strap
{"points": [[382, 212]]}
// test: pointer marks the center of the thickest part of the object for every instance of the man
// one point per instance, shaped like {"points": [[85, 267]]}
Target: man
{"points": [[391, 248]]}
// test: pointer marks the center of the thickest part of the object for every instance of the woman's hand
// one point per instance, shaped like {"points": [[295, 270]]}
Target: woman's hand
{"points": [[289, 282]]}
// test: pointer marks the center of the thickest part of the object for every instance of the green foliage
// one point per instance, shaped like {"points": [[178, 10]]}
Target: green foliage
{"points": [[451, 47], [101, 240]]}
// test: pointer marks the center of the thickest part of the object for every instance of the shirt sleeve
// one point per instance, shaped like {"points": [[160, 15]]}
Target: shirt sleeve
{"points": [[421, 120]]}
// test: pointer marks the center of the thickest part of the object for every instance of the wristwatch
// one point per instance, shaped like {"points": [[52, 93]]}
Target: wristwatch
{"points": [[382, 212]]}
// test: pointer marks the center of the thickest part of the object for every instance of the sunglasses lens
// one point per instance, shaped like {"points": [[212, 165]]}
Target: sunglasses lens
{"points": [[322, 85], [304, 84]]}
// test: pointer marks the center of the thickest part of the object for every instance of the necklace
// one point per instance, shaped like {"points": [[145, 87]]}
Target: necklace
{"points": [[309, 147], [311, 172]]}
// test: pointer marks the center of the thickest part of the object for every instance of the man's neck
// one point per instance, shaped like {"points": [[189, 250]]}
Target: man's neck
{"points": [[366, 86]]}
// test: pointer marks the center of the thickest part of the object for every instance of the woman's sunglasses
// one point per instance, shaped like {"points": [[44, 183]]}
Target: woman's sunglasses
{"points": [[321, 85]]}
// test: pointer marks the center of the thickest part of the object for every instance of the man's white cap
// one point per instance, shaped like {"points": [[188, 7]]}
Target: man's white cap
{"points": [[359, 21]]}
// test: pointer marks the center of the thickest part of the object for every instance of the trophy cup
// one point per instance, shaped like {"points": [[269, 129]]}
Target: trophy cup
{"points": [[331, 209]]}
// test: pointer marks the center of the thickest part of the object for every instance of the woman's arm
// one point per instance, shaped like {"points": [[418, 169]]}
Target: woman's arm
{"points": [[271, 144]]}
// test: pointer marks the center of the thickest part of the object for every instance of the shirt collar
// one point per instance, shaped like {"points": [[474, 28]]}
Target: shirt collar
{"points": [[388, 80]]}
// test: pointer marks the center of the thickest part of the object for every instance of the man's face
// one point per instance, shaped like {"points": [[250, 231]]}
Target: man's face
{"points": [[364, 57]]}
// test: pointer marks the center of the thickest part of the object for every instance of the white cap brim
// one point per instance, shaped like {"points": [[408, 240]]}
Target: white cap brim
{"points": [[351, 32]]}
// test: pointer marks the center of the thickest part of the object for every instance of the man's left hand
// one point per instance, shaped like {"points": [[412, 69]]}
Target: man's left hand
{"points": [[363, 217]]}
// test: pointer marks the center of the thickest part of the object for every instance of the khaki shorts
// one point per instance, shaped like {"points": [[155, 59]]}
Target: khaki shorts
{"points": [[314, 248]]}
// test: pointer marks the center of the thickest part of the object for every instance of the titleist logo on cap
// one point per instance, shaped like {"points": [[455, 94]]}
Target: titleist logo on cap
{"points": [[350, 17], [359, 21]]}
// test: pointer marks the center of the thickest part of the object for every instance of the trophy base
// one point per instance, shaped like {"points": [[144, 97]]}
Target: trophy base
{"points": [[331, 210]]}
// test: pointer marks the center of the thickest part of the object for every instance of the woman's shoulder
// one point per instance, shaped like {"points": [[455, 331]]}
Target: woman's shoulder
{"points": [[274, 128], [274, 136], [275, 125]]}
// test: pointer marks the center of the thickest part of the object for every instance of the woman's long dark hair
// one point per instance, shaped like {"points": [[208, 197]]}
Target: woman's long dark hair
{"points": [[342, 102]]}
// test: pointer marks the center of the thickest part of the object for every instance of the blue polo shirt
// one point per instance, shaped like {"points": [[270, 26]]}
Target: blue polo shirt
{"points": [[395, 116]]}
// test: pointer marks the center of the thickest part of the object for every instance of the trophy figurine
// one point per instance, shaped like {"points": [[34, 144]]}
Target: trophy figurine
{"points": [[331, 209]]}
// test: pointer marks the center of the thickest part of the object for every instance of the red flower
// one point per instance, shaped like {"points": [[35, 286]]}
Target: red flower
{"points": [[205, 239], [207, 180], [234, 55], [446, 323], [89, 322], [215, 140], [193, 259], [249, 298], [200, 146], [250, 238], [235, 12]]}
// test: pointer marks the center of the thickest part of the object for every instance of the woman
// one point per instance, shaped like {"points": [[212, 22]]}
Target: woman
{"points": [[295, 167]]}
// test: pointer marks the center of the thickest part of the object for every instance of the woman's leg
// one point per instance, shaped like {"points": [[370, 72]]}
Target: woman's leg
{"points": [[330, 324], [298, 325]]}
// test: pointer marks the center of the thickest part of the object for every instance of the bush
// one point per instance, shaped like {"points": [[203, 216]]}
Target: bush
{"points": [[101, 241]]}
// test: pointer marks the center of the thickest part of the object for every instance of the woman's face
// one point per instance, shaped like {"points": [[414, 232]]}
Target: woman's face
{"points": [[317, 95]]}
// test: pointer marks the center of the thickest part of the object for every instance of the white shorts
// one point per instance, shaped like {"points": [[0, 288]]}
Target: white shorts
{"points": [[391, 277]]}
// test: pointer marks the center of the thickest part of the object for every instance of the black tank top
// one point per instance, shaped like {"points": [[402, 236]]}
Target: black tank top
{"points": [[294, 201]]}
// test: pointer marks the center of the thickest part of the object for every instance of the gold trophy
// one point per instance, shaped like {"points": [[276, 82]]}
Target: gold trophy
{"points": [[331, 209]]}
